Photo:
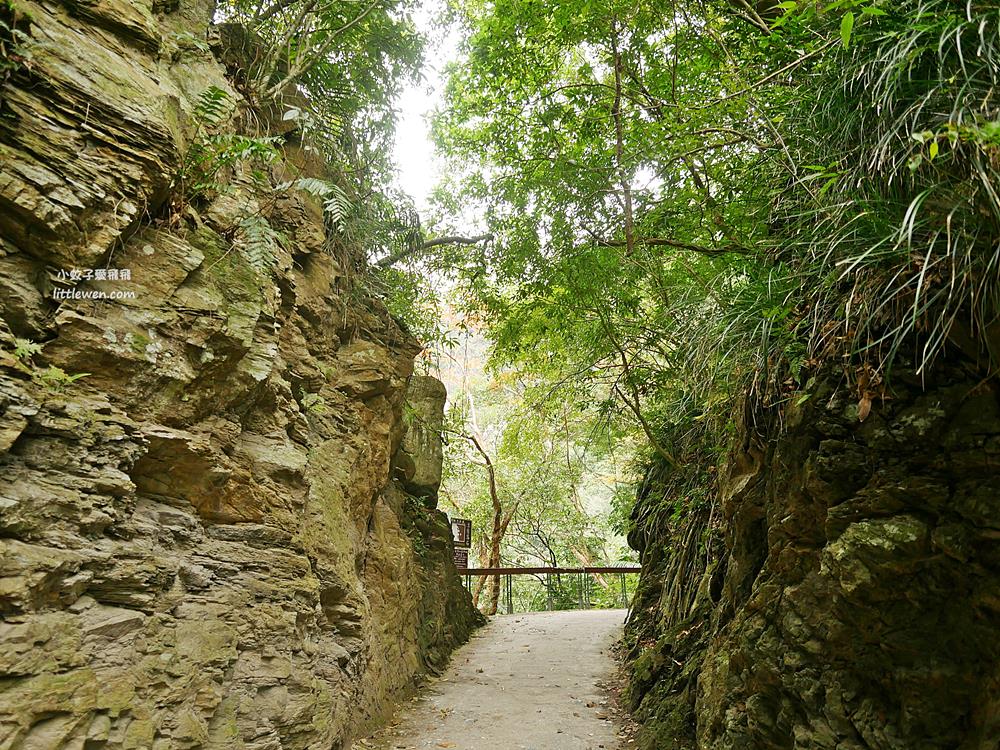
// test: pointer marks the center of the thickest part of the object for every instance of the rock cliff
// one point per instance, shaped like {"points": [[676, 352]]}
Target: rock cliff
{"points": [[840, 590], [200, 541]]}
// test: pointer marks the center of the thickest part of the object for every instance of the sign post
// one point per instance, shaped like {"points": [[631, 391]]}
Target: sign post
{"points": [[461, 532]]}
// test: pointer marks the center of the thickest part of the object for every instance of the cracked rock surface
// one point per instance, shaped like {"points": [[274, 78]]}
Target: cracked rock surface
{"points": [[852, 600], [201, 540]]}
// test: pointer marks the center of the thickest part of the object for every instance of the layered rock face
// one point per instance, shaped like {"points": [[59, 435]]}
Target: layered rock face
{"points": [[200, 541], [853, 601], [422, 453]]}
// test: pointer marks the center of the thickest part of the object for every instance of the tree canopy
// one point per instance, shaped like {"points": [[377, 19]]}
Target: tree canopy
{"points": [[676, 206], [696, 199]]}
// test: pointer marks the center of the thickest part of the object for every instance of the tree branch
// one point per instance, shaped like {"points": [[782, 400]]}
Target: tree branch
{"points": [[452, 239], [636, 407], [300, 66], [276, 8], [500, 522], [616, 113], [658, 241], [751, 16], [456, 240]]}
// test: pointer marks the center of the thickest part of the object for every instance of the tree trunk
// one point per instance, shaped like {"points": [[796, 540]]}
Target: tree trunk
{"points": [[500, 524], [497, 532], [624, 175]]}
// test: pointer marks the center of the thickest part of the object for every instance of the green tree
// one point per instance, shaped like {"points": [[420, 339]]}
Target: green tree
{"points": [[523, 471], [696, 200]]}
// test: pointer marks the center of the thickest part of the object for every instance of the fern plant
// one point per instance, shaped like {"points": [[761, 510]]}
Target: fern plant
{"points": [[25, 349], [214, 149], [213, 106], [53, 379], [259, 243], [337, 205]]}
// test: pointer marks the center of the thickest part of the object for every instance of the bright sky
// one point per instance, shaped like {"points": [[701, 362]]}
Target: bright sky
{"points": [[414, 152]]}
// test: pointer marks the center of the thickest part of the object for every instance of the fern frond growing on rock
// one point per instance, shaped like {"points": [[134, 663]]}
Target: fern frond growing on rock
{"points": [[214, 105], [259, 243], [336, 203]]}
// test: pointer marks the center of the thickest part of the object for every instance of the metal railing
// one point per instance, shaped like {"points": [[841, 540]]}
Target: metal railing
{"points": [[564, 588]]}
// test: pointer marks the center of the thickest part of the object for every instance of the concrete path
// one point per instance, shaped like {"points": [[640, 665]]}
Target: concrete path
{"points": [[524, 682]]}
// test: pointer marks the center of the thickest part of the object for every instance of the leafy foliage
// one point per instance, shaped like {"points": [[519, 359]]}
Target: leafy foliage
{"points": [[348, 59], [695, 202], [415, 303], [15, 40], [24, 349], [53, 379], [259, 243], [335, 71], [214, 149], [336, 203], [343, 51], [549, 477]]}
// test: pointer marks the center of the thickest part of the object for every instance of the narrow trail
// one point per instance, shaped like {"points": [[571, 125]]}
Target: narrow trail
{"points": [[524, 682]]}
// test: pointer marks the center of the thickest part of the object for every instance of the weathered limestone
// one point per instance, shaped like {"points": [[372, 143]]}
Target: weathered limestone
{"points": [[200, 544], [423, 452], [855, 602]]}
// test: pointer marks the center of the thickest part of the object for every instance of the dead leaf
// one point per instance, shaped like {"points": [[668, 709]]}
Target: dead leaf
{"points": [[864, 407]]}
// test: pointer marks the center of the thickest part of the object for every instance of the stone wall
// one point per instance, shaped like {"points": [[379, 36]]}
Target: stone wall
{"points": [[200, 544], [855, 600]]}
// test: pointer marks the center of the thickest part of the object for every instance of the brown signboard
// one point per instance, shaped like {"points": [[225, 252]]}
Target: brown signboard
{"points": [[461, 532], [461, 559]]}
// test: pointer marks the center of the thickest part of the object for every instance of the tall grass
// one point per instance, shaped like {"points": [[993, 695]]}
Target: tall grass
{"points": [[902, 248]]}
